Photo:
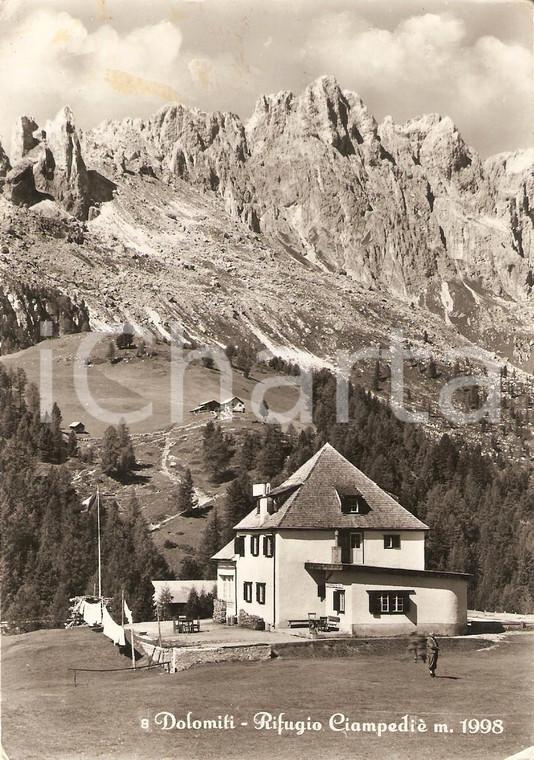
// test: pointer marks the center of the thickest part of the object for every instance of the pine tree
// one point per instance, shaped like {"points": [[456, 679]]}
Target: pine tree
{"points": [[212, 541], [46, 443], [118, 457], [248, 449], [192, 607], [218, 451], [187, 499], [205, 604], [72, 444], [272, 454], [26, 610], [164, 601], [190, 569], [145, 563], [238, 503], [126, 461]]}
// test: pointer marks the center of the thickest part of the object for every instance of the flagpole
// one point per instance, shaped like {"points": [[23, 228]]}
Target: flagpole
{"points": [[122, 608], [99, 547], [133, 646]]}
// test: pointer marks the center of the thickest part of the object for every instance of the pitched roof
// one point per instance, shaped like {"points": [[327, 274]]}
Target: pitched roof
{"points": [[315, 502], [227, 552]]}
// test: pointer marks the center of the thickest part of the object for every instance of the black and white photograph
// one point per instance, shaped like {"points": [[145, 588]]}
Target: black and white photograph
{"points": [[267, 379]]}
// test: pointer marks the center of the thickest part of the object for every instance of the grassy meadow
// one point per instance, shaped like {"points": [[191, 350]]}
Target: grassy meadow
{"points": [[45, 717]]}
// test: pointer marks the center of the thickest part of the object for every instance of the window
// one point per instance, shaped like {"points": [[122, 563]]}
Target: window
{"points": [[321, 591], [247, 591], [391, 542], [260, 593], [268, 546], [226, 588], [389, 602], [352, 503], [355, 540], [339, 601], [254, 545], [239, 545]]}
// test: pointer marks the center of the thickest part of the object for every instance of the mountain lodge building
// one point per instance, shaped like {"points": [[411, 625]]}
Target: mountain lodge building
{"points": [[329, 542]]}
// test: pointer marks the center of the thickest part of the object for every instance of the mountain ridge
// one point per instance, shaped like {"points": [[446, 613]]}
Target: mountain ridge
{"points": [[408, 212]]}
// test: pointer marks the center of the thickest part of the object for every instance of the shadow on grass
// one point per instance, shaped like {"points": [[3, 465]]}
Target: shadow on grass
{"points": [[451, 678]]}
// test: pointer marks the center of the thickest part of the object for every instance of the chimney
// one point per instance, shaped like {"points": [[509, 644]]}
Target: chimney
{"points": [[265, 503], [336, 550]]}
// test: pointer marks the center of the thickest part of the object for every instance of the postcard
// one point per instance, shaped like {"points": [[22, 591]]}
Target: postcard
{"points": [[266, 379]]}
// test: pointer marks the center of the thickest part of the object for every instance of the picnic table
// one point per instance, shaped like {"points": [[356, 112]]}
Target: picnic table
{"points": [[184, 624]]}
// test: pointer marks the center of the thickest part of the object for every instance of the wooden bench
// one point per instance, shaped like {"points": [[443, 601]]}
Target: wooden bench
{"points": [[299, 622], [330, 623], [511, 624]]}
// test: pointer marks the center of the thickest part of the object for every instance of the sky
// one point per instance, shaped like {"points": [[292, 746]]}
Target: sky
{"points": [[109, 59]]}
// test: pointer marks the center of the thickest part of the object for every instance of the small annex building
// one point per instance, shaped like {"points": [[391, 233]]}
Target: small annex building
{"points": [[78, 428], [330, 542], [224, 409], [179, 592]]}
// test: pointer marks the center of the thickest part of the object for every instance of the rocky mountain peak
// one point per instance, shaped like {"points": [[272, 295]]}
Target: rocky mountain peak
{"points": [[322, 111], [23, 139], [47, 163]]}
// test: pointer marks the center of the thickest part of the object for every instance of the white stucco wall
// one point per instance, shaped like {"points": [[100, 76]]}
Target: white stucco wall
{"points": [[411, 554], [439, 603], [258, 569], [296, 593]]}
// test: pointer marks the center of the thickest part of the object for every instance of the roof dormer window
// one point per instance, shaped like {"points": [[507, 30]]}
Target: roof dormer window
{"points": [[352, 502]]}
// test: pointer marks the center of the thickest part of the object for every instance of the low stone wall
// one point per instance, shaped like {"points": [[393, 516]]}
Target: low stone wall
{"points": [[352, 647], [184, 658]]}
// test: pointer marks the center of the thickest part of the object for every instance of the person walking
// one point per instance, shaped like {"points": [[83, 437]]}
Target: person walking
{"points": [[417, 646], [432, 651]]}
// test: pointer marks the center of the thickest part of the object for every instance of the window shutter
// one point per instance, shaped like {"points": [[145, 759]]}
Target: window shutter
{"points": [[239, 545], [321, 590], [268, 546], [374, 602]]}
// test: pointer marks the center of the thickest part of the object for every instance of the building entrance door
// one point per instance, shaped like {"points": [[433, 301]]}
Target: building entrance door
{"points": [[356, 548]]}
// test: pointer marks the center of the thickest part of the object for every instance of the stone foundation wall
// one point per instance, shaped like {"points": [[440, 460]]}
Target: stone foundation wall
{"points": [[219, 611], [251, 621]]}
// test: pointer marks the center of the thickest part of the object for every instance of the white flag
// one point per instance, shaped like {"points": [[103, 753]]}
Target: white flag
{"points": [[87, 504], [127, 612]]}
